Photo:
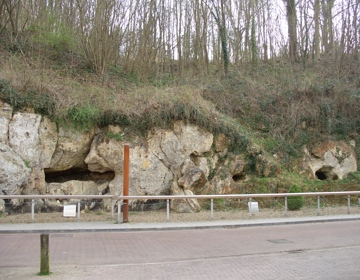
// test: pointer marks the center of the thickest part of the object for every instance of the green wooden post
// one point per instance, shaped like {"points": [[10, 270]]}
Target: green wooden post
{"points": [[44, 254]]}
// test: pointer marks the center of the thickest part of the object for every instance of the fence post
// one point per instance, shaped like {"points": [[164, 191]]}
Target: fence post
{"points": [[167, 210], [250, 207], [348, 204], [212, 209], [44, 254], [318, 205], [33, 210], [286, 206], [112, 208], [78, 210], [119, 211]]}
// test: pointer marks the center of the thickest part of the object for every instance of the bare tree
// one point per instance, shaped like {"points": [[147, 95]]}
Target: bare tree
{"points": [[292, 32], [217, 10], [316, 43], [100, 35], [327, 30]]}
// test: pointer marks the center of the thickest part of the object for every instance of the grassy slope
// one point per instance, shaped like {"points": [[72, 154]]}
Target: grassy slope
{"points": [[269, 107]]}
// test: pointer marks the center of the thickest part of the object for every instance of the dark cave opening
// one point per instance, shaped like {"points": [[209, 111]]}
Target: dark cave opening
{"points": [[238, 177], [320, 175], [326, 173], [79, 175]]}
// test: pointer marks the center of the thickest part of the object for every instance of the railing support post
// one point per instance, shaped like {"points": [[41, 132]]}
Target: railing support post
{"points": [[33, 210], [348, 204], [286, 206], [119, 212], [212, 209], [112, 208], [78, 210], [318, 205], [167, 210], [250, 208]]}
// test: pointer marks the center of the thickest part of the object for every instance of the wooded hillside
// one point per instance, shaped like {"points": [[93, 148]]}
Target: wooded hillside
{"points": [[287, 70]]}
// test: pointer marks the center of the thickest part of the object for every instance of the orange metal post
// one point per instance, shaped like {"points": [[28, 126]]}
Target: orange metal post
{"points": [[126, 183]]}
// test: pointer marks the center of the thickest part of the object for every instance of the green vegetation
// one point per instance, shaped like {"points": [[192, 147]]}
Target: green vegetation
{"points": [[115, 136], [295, 202]]}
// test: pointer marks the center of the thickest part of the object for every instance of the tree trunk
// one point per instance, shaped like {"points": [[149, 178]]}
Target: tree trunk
{"points": [[317, 30], [292, 34]]}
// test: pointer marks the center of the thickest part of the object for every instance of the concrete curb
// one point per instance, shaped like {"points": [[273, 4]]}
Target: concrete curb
{"points": [[113, 227]]}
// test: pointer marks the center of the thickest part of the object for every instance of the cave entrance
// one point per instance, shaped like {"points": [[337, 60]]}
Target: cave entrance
{"points": [[78, 175], [238, 177], [320, 175], [326, 173]]}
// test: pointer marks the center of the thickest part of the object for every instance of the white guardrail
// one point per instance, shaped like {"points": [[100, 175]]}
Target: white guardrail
{"points": [[119, 199]]}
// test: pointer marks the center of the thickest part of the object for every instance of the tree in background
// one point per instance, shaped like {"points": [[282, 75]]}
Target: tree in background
{"points": [[160, 38], [218, 12], [292, 32]]}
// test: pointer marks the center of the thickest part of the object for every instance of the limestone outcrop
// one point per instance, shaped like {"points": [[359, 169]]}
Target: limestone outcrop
{"points": [[39, 157], [13, 171], [330, 160]]}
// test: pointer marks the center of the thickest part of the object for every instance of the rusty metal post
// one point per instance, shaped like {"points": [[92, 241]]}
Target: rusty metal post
{"points": [[126, 183]]}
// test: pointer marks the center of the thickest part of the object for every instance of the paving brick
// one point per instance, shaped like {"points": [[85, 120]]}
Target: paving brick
{"points": [[305, 251]]}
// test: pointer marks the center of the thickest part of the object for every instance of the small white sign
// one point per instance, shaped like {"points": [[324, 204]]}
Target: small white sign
{"points": [[69, 211], [253, 207]]}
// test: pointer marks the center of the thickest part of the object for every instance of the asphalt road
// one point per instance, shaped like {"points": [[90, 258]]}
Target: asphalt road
{"points": [[305, 251]]}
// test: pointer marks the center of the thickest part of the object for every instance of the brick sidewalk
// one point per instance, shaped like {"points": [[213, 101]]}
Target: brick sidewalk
{"points": [[310, 251]]}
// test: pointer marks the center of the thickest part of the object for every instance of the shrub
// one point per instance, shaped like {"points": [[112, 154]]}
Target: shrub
{"points": [[83, 117], [295, 202]]}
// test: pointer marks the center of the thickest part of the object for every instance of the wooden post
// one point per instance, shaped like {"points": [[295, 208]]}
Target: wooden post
{"points": [[44, 254], [126, 183]]}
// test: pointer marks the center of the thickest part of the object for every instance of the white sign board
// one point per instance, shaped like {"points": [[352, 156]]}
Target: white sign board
{"points": [[69, 211], [253, 207]]}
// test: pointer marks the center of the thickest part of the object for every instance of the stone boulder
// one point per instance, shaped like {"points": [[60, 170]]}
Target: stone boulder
{"points": [[184, 205], [13, 171], [2, 207], [193, 179], [71, 150], [5, 118], [193, 139], [48, 139], [24, 137], [148, 174], [75, 187]]}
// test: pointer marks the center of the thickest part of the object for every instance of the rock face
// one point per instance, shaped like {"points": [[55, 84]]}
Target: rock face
{"points": [[37, 157], [13, 171], [330, 160]]}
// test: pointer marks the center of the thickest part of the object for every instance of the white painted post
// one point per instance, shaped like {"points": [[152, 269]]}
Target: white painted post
{"points": [[78, 209], [250, 210], [119, 211], [212, 209], [112, 208], [348, 204], [33, 210]]}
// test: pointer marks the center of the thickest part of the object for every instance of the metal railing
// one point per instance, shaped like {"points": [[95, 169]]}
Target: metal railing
{"points": [[119, 200]]}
